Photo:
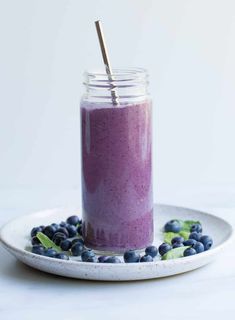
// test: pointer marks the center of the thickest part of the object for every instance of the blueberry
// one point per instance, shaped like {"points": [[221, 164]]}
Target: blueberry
{"points": [[38, 249], [74, 220], [189, 252], [55, 225], [62, 224], [58, 237], [35, 230], [50, 253], [164, 248], [35, 240], [172, 226], [66, 245], [78, 240], [177, 240], [102, 258], [49, 231], [112, 259], [131, 256], [151, 251], [199, 247], [64, 231], [146, 258], [72, 230], [194, 235], [189, 242], [79, 230], [196, 228], [177, 245], [206, 241], [77, 249], [92, 259], [62, 256], [87, 254]]}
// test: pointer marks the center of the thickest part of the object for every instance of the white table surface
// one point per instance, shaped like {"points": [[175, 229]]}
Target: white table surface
{"points": [[206, 293]]}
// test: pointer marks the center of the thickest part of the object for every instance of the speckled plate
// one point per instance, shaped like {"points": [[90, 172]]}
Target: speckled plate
{"points": [[15, 238]]}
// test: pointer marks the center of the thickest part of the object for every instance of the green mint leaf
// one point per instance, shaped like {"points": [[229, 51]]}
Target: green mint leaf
{"points": [[187, 224], [168, 236], [175, 253], [184, 234], [46, 242]]}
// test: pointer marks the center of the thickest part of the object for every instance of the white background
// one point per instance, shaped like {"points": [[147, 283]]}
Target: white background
{"points": [[188, 48]]}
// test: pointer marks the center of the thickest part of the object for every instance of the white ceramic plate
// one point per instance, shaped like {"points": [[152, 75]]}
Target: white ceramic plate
{"points": [[15, 238]]}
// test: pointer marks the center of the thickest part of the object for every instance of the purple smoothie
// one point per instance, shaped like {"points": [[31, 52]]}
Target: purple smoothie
{"points": [[117, 176]]}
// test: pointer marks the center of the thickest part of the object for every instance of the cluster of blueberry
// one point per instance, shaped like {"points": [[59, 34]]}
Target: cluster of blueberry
{"points": [[60, 234], [133, 256], [68, 237], [196, 242], [129, 256], [66, 240]]}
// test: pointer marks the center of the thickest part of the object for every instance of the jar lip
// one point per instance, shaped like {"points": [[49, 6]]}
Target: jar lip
{"points": [[124, 72]]}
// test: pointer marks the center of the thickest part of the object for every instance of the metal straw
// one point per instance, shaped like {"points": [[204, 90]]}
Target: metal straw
{"points": [[105, 56]]}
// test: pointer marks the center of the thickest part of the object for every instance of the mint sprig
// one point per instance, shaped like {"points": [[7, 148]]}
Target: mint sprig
{"points": [[184, 232], [46, 242]]}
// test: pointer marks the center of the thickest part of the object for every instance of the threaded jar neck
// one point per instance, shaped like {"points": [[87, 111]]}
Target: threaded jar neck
{"points": [[129, 85]]}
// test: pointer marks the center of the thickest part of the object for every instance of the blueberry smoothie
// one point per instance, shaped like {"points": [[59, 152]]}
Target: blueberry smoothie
{"points": [[117, 175]]}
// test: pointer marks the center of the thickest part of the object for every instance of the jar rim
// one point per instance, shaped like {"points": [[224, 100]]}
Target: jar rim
{"points": [[124, 72]]}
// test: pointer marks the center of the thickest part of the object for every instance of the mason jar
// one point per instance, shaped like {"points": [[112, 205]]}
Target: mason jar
{"points": [[116, 131]]}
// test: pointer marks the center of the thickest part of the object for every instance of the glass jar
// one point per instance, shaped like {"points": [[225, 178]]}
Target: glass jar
{"points": [[116, 144]]}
